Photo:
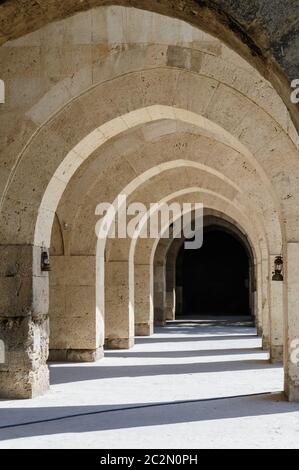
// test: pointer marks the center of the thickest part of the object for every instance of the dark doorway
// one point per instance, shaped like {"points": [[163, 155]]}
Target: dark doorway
{"points": [[215, 279]]}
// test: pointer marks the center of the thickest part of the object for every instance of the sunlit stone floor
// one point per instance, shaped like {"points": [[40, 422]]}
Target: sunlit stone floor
{"points": [[224, 366]]}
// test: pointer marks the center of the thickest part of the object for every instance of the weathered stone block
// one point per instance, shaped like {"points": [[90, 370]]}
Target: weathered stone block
{"points": [[76, 355], [144, 329], [24, 373], [119, 343]]}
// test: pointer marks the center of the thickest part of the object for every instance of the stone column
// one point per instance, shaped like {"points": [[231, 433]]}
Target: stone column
{"points": [[159, 294], [255, 280], [171, 259], [119, 317], [24, 331], [276, 318], [291, 356], [143, 303], [265, 305], [75, 333], [159, 288], [170, 286]]}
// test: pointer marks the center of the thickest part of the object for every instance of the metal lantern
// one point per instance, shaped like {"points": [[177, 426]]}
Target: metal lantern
{"points": [[278, 268]]}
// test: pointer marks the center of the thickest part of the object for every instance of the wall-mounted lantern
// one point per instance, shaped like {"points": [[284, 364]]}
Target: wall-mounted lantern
{"points": [[45, 260], [278, 268]]}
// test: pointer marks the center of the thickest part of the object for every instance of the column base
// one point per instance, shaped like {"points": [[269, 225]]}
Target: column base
{"points": [[160, 316], [76, 355], [144, 329], [22, 384], [293, 393], [265, 344], [259, 331], [119, 343], [170, 314], [276, 354]]}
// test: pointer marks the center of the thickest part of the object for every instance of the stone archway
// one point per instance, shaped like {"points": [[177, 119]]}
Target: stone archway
{"points": [[237, 168], [219, 279], [255, 32]]}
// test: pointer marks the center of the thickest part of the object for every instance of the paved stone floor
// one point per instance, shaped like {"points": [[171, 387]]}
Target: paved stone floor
{"points": [[181, 362]]}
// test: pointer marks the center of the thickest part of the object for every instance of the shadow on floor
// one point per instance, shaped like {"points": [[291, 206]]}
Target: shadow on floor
{"points": [[192, 353], [169, 339], [67, 374], [98, 418], [212, 320]]}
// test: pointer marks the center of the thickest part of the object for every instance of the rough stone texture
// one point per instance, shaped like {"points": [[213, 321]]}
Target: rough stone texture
{"points": [[171, 256], [141, 297], [264, 33], [24, 374], [265, 343], [119, 343], [23, 322], [264, 294], [164, 111], [119, 319], [75, 355], [276, 320], [22, 282], [159, 295], [291, 359], [144, 329], [170, 301], [276, 354], [72, 309]]}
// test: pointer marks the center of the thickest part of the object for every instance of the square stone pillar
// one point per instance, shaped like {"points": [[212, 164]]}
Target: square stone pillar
{"points": [[143, 303], [74, 323], [170, 290], [160, 310], [276, 319], [265, 291], [256, 299], [24, 332], [119, 317], [170, 304], [291, 356]]}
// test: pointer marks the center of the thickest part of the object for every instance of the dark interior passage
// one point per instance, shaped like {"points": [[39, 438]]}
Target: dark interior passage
{"points": [[214, 280]]}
